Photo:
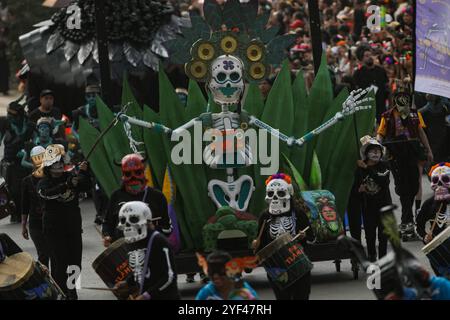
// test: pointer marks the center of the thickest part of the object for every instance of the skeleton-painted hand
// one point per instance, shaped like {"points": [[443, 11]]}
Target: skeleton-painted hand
{"points": [[357, 101]]}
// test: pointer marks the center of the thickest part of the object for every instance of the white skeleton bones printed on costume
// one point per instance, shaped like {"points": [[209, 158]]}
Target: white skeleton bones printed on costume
{"points": [[133, 218], [278, 196], [136, 260], [280, 225]]}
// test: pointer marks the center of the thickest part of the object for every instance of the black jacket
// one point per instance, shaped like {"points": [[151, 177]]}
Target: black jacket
{"points": [[161, 278], [32, 204], [376, 179], [61, 201], [156, 201], [301, 223]]}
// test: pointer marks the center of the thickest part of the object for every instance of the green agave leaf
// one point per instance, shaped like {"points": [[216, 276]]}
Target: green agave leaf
{"points": [[190, 179], [115, 140], [196, 103], [276, 50], [328, 139], [259, 25], [279, 109], [199, 26], [296, 175], [155, 147], [249, 12], [270, 34], [320, 100], [301, 112], [316, 174], [254, 102], [98, 162]]}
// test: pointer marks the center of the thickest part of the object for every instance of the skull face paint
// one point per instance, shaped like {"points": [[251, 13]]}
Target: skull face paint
{"points": [[133, 173], [227, 83], [133, 218], [278, 196], [440, 183]]}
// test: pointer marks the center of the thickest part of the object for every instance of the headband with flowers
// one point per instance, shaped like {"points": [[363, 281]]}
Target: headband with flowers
{"points": [[281, 176]]}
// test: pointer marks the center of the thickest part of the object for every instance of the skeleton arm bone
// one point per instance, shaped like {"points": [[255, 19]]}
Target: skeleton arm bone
{"points": [[262, 125], [149, 125]]}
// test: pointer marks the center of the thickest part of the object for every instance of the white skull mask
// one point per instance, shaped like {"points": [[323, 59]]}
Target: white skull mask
{"points": [[227, 83], [133, 217], [440, 183], [278, 196]]}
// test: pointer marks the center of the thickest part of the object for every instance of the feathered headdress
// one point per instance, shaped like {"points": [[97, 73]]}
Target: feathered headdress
{"points": [[233, 29]]}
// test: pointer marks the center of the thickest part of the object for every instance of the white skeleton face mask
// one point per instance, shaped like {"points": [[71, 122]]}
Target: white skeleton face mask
{"points": [[440, 183], [278, 196], [227, 83], [133, 218]]}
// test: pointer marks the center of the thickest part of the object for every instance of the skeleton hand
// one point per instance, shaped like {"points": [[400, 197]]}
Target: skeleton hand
{"points": [[356, 101]]}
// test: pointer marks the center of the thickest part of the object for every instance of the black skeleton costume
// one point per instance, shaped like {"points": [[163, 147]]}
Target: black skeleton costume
{"points": [[150, 255], [283, 216]]}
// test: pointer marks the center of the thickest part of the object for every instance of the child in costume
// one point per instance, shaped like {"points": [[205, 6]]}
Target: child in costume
{"points": [[372, 179]]}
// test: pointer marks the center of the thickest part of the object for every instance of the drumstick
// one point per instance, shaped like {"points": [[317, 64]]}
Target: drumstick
{"points": [[98, 289], [258, 240], [300, 233]]}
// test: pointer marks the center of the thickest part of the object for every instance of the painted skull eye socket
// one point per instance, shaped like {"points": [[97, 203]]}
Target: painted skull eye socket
{"points": [[221, 76], [127, 174], [281, 193], [270, 194], [139, 172], [445, 179], [123, 220], [435, 179], [134, 219], [235, 76]]}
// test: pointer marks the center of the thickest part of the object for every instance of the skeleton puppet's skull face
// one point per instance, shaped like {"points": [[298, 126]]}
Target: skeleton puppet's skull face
{"points": [[133, 217], [227, 83], [440, 183], [278, 196]]}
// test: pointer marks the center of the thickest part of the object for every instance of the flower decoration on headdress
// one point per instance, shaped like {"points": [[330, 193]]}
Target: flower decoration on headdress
{"points": [[442, 164], [232, 29], [232, 268], [281, 176]]}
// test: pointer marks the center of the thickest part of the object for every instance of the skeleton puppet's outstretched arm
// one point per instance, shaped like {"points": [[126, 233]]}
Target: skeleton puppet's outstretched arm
{"points": [[355, 102]]}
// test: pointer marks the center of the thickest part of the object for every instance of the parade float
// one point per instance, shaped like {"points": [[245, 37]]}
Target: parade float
{"points": [[214, 206]]}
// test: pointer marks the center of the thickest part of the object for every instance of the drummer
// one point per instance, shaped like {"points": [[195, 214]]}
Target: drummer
{"points": [[284, 215]]}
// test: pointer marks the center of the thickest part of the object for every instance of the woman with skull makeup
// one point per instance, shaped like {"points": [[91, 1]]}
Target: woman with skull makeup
{"points": [[134, 188], [372, 181], [150, 256], [62, 227], [285, 214]]}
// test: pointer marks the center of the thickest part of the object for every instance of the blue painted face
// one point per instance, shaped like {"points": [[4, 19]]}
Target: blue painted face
{"points": [[44, 131]]}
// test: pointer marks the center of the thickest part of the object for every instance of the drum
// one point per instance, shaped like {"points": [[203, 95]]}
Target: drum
{"points": [[7, 206], [438, 252], [112, 264], [21, 278], [284, 261]]}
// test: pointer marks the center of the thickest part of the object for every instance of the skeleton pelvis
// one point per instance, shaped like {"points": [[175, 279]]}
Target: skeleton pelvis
{"points": [[236, 194]]}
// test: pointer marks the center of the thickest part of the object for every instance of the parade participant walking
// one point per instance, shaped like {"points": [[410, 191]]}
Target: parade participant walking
{"points": [[134, 188], [372, 179], [284, 215], [150, 256], [62, 218], [222, 285], [32, 208], [46, 108], [401, 129], [18, 132]]}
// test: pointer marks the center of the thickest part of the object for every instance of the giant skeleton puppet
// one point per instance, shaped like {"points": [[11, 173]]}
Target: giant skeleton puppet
{"points": [[228, 50]]}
